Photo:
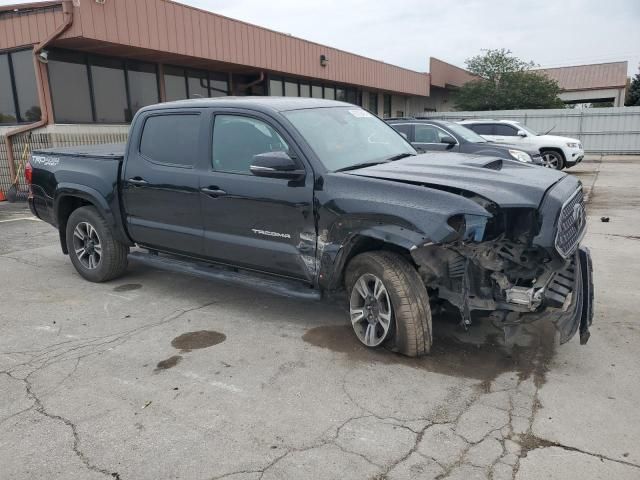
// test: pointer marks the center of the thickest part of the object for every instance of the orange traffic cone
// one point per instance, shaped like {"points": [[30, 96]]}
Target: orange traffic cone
{"points": [[2, 196]]}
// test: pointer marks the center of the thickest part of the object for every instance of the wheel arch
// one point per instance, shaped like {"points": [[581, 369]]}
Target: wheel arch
{"points": [[336, 257], [70, 197], [554, 149]]}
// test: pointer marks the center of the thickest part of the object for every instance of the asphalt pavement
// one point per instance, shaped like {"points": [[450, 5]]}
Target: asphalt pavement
{"points": [[162, 375]]}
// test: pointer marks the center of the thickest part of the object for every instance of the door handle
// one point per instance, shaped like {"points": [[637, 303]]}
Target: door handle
{"points": [[213, 191], [137, 181]]}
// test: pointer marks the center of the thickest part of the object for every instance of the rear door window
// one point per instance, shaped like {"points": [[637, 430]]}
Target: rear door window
{"points": [[481, 128], [171, 139], [504, 130], [236, 139]]}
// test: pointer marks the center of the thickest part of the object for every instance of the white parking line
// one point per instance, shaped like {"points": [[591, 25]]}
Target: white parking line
{"points": [[33, 219]]}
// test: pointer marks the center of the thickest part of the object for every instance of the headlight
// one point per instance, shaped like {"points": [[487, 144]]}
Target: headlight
{"points": [[573, 145], [470, 228], [520, 156]]}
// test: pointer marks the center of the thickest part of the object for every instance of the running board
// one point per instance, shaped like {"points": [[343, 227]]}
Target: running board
{"points": [[256, 281]]}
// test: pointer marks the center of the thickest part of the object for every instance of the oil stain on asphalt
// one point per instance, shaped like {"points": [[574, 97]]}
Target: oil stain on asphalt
{"points": [[168, 363], [451, 354], [190, 341], [196, 340], [127, 287]]}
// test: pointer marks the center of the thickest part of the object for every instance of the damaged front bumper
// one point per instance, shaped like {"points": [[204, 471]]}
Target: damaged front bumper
{"points": [[573, 286], [579, 314]]}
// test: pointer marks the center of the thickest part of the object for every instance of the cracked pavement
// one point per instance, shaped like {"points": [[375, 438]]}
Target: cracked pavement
{"points": [[100, 381]]}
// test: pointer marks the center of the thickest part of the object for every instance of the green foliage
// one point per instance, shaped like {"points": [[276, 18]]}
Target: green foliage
{"points": [[633, 92], [505, 83]]}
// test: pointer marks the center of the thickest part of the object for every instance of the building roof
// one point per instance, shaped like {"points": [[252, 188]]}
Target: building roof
{"points": [[169, 32], [444, 74], [589, 77]]}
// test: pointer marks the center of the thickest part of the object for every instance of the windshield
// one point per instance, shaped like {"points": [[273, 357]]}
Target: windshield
{"points": [[530, 131], [466, 133], [343, 137]]}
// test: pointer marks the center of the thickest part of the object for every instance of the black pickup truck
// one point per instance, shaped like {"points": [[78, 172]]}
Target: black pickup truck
{"points": [[326, 194]]}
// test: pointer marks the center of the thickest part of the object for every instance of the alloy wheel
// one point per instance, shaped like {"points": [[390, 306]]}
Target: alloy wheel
{"points": [[550, 160], [87, 245], [370, 310]]}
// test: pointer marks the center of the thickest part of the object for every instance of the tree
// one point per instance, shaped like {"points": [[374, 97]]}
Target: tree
{"points": [[504, 82], [633, 92]]}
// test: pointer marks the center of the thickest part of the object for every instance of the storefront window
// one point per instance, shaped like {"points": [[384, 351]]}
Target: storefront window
{"points": [[305, 90], [198, 84], [275, 87], [7, 101], [330, 93], [109, 90], [386, 112], [143, 86], [218, 85], [175, 83], [316, 91], [69, 84], [18, 92], [290, 89]]}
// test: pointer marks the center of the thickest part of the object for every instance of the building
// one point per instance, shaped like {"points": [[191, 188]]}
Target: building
{"points": [[596, 83], [445, 78], [77, 72]]}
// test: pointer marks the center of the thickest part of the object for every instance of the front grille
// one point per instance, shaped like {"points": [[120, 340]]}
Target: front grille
{"points": [[572, 224]]}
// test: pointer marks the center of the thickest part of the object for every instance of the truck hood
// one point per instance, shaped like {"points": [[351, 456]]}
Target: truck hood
{"points": [[508, 183]]}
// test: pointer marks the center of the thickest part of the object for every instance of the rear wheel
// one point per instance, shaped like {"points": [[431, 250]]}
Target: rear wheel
{"points": [[388, 303], [552, 159], [93, 251]]}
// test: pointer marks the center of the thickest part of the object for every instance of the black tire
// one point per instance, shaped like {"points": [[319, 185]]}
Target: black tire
{"points": [[112, 261], [556, 158], [410, 333]]}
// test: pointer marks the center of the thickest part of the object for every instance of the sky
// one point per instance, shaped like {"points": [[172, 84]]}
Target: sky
{"points": [[406, 33]]}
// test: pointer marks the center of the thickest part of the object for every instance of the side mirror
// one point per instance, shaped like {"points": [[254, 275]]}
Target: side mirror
{"points": [[521, 133], [275, 165], [448, 139], [404, 135]]}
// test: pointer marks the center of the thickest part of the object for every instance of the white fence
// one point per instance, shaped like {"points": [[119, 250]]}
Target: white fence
{"points": [[614, 130]]}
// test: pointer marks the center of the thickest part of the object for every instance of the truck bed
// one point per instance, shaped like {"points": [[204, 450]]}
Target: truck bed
{"points": [[108, 151]]}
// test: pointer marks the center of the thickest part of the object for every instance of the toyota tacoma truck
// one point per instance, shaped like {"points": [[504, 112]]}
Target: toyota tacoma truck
{"points": [[327, 195]]}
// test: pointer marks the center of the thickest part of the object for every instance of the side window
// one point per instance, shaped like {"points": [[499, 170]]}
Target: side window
{"points": [[403, 128], [504, 130], [237, 139], [481, 128], [171, 139], [427, 134]]}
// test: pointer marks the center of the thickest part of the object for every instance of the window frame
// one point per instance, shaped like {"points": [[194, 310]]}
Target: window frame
{"points": [[167, 113], [14, 90], [295, 152], [221, 113]]}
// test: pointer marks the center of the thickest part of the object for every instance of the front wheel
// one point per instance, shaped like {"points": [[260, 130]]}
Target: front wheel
{"points": [[95, 254], [552, 159], [388, 303]]}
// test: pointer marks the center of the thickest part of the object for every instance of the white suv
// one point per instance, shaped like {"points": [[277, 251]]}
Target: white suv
{"points": [[557, 152]]}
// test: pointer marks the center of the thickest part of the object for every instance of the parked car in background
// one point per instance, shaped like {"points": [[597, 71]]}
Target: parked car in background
{"points": [[440, 135], [325, 194], [557, 152]]}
